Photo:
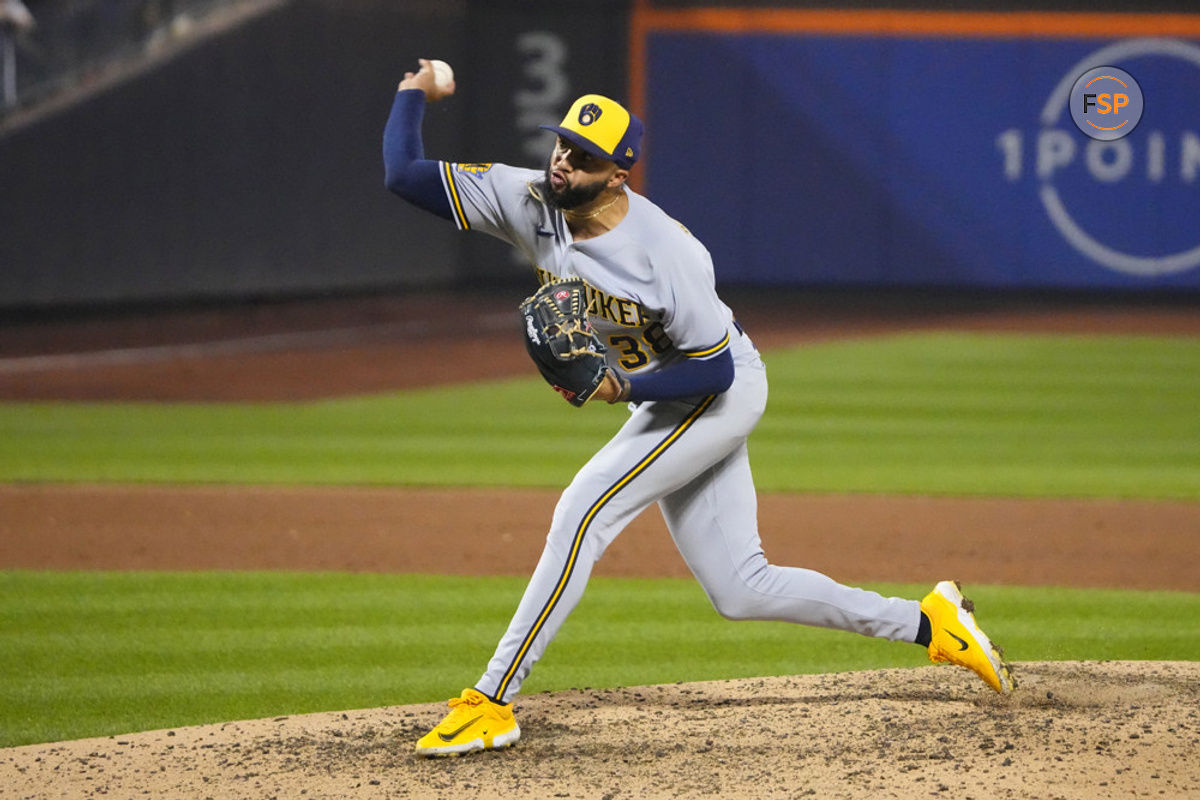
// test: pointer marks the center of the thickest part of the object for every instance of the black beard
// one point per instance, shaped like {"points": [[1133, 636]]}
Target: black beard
{"points": [[569, 196]]}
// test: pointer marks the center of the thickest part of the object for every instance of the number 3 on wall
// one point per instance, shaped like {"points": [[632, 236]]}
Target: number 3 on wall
{"points": [[544, 73]]}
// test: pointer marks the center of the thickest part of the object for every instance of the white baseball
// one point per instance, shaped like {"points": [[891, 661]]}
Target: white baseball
{"points": [[443, 76]]}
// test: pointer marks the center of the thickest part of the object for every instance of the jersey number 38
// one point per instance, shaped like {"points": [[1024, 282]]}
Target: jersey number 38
{"points": [[632, 350]]}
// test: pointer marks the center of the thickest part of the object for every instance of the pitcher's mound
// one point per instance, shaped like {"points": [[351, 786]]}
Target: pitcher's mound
{"points": [[1072, 730]]}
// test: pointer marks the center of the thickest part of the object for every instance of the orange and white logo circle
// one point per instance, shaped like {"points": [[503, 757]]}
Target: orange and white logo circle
{"points": [[1106, 103]]}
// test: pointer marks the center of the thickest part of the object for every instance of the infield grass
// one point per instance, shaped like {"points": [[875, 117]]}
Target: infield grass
{"points": [[941, 413], [100, 653]]}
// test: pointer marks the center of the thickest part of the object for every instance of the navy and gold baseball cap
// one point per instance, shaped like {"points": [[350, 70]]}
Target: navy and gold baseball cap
{"points": [[604, 128]]}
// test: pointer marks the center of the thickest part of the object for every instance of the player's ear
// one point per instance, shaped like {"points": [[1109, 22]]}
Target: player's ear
{"points": [[618, 178]]}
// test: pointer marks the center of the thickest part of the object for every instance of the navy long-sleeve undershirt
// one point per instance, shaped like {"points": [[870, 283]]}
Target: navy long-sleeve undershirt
{"points": [[406, 170], [418, 180], [691, 377]]}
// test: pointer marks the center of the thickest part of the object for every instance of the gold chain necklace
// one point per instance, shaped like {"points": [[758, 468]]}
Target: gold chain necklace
{"points": [[579, 217]]}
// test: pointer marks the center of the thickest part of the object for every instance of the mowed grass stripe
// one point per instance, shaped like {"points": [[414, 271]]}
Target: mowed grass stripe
{"points": [[942, 413], [86, 654], [973, 414]]}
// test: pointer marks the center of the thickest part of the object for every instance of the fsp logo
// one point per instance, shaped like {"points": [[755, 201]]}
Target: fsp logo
{"points": [[589, 114], [1106, 103]]}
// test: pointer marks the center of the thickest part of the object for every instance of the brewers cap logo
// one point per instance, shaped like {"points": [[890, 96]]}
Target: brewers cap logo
{"points": [[589, 114]]}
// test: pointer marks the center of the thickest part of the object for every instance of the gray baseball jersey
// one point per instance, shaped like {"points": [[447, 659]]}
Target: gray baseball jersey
{"points": [[654, 302], [651, 284]]}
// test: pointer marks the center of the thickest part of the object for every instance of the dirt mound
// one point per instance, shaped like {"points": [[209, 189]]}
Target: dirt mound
{"points": [[1072, 730]]}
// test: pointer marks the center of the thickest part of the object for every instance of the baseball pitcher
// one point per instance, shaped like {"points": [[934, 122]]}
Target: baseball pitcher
{"points": [[653, 334]]}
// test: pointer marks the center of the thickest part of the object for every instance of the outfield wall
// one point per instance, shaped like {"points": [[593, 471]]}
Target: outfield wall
{"points": [[804, 146], [247, 165], [902, 148]]}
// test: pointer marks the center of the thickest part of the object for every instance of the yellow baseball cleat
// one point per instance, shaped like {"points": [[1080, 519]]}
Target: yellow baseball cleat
{"points": [[474, 723], [957, 638]]}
